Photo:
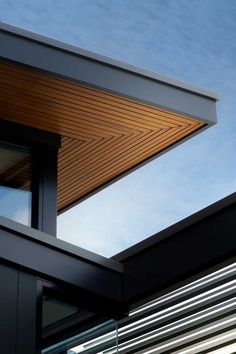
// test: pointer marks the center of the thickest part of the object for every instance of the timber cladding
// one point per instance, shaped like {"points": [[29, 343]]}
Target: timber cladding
{"points": [[103, 135]]}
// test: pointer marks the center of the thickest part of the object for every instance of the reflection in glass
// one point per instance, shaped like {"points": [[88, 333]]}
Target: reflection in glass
{"points": [[55, 310], [15, 184], [100, 338], [69, 328], [187, 320]]}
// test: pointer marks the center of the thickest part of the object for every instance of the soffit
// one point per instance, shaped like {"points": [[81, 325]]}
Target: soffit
{"points": [[103, 135]]}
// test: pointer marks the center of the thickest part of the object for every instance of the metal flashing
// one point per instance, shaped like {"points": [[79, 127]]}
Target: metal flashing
{"points": [[59, 245], [106, 60], [180, 226], [82, 66]]}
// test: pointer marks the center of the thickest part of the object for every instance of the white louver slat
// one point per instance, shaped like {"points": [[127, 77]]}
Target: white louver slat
{"points": [[197, 318]]}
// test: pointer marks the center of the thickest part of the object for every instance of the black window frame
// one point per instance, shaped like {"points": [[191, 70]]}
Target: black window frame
{"points": [[21, 148], [43, 147], [69, 326]]}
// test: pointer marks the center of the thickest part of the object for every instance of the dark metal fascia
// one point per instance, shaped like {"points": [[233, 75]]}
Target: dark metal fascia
{"points": [[62, 246], [54, 260], [27, 48], [106, 60], [180, 252], [173, 229]]}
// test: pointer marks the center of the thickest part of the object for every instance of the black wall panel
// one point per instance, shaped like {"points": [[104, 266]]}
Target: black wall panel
{"points": [[27, 314], [8, 309], [18, 312]]}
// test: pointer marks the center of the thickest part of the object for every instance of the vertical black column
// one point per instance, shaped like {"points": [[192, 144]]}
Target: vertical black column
{"points": [[45, 190]]}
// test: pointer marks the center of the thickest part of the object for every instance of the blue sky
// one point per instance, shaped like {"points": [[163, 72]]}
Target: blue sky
{"points": [[193, 41]]}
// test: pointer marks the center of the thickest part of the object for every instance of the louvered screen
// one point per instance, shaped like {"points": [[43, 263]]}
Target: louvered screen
{"points": [[197, 318]]}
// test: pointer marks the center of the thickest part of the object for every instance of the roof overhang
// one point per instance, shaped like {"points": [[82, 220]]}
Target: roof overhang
{"points": [[112, 117]]}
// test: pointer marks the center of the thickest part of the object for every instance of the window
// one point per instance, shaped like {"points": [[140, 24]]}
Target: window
{"points": [[66, 320], [15, 184]]}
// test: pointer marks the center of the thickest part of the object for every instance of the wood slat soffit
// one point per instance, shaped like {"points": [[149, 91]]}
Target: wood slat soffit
{"points": [[103, 135]]}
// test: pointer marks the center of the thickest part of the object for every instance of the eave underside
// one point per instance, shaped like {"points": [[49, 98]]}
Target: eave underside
{"points": [[103, 135]]}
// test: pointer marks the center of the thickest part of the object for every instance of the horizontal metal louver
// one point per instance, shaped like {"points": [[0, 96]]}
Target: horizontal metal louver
{"points": [[197, 318]]}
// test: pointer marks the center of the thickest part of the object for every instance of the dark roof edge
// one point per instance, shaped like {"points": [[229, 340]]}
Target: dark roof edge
{"points": [[106, 60], [175, 228], [60, 245]]}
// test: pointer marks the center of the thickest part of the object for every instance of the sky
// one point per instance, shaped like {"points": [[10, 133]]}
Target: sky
{"points": [[192, 41]]}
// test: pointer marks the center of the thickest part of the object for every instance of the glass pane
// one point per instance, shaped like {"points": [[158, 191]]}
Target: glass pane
{"points": [[67, 325], [96, 339], [15, 184], [55, 310]]}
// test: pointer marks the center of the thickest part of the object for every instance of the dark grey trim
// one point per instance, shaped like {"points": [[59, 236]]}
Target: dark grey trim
{"points": [[198, 247], [190, 221], [97, 57], [60, 59], [61, 246], [101, 285], [25, 135], [181, 251]]}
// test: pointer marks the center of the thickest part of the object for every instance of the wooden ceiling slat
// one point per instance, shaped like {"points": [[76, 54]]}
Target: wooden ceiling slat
{"points": [[67, 150], [85, 161], [134, 151], [87, 116], [77, 132], [136, 107], [42, 123], [96, 182], [107, 119], [73, 88], [83, 104], [55, 114], [107, 151], [100, 148], [113, 151], [93, 145], [68, 143], [103, 134], [135, 154]]}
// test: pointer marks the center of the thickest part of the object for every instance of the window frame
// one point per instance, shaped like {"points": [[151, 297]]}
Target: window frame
{"points": [[43, 147]]}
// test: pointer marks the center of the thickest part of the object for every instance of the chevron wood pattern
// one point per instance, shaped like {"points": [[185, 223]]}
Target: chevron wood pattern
{"points": [[103, 135]]}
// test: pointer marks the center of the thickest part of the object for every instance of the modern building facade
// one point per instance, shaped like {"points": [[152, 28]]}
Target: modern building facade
{"points": [[71, 122]]}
